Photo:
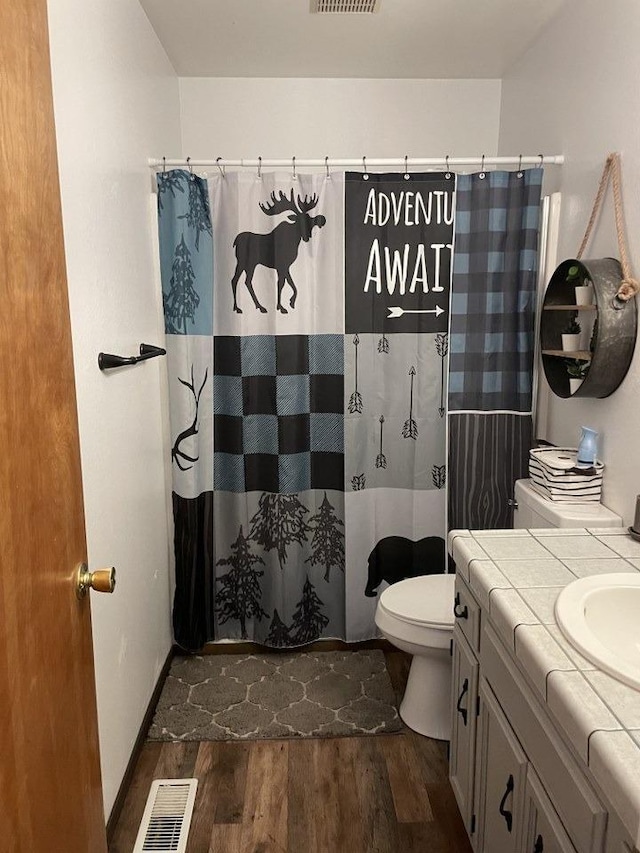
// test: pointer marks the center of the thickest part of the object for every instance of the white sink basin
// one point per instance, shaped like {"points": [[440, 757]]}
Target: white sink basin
{"points": [[600, 616]]}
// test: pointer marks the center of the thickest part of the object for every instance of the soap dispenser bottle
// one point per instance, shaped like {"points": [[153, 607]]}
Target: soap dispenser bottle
{"points": [[587, 448]]}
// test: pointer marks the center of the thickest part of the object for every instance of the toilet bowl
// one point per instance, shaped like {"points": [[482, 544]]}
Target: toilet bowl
{"points": [[416, 616]]}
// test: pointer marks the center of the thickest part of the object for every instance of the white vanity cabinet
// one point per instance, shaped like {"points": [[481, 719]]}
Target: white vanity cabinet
{"points": [[519, 787]]}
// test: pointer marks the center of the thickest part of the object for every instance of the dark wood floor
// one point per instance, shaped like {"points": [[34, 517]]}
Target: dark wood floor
{"points": [[378, 794]]}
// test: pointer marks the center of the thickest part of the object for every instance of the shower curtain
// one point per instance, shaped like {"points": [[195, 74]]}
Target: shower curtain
{"points": [[492, 343], [307, 339], [308, 344]]}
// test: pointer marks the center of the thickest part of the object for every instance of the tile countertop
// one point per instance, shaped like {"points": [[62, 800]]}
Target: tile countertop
{"points": [[516, 575]]}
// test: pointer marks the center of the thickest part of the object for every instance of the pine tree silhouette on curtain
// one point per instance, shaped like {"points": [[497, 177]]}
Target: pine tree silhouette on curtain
{"points": [[278, 632], [239, 597], [168, 182], [327, 545], [182, 300], [198, 216], [278, 522], [308, 620]]}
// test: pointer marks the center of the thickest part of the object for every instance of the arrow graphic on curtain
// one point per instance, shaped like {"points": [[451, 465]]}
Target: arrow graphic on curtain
{"points": [[381, 459], [442, 348], [396, 311], [410, 428], [355, 400]]}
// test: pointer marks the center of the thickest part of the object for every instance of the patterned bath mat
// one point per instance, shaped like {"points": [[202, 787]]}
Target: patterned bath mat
{"points": [[304, 694]]}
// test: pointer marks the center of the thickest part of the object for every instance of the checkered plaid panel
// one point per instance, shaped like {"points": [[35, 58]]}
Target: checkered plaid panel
{"points": [[493, 295], [278, 413]]}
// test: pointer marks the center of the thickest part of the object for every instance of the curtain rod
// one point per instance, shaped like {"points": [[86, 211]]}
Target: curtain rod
{"points": [[366, 162]]}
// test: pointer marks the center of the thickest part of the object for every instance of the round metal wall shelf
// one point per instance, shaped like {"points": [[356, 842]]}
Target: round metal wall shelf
{"points": [[610, 348]]}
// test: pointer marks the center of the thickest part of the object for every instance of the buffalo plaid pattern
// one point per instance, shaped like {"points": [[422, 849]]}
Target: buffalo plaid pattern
{"points": [[493, 296], [278, 404]]}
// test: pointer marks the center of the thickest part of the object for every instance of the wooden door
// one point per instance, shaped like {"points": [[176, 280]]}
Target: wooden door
{"points": [[50, 790]]}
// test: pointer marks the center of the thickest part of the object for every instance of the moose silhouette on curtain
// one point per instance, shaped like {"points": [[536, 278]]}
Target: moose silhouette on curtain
{"points": [[276, 250]]}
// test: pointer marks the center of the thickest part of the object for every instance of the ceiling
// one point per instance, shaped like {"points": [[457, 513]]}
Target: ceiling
{"points": [[406, 38]]}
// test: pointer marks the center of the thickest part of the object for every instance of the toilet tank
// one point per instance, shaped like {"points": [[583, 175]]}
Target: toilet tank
{"points": [[532, 510]]}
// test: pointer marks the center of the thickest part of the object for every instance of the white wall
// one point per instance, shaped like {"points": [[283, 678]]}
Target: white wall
{"points": [[116, 102], [279, 118], [576, 92]]}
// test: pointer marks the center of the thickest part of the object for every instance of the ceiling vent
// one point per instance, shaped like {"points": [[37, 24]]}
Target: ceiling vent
{"points": [[345, 7]]}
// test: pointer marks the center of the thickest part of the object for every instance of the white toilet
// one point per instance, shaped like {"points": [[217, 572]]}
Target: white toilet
{"points": [[416, 615]]}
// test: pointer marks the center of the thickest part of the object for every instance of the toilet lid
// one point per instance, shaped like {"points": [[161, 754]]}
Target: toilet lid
{"points": [[425, 600]]}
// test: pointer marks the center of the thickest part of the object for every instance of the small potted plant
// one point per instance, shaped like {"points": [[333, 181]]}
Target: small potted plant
{"points": [[582, 286], [577, 371], [571, 335], [584, 292]]}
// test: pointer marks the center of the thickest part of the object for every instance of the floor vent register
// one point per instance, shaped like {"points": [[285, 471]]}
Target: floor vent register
{"points": [[167, 816]]}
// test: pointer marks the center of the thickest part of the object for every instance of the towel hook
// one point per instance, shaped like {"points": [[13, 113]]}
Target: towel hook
{"points": [[365, 174], [407, 176]]}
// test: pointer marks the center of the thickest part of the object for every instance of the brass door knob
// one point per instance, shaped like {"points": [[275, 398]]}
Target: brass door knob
{"points": [[102, 580]]}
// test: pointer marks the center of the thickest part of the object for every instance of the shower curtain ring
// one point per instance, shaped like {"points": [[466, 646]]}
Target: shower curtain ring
{"points": [[293, 160], [164, 165], [541, 161], [520, 165], [448, 172], [482, 169], [189, 166], [407, 176], [259, 168], [221, 168], [326, 165], [365, 175]]}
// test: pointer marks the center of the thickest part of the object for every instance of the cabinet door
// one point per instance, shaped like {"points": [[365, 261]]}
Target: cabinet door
{"points": [[463, 726], [501, 768], [543, 832]]}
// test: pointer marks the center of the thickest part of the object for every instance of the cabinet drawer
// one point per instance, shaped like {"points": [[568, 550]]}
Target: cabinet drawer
{"points": [[543, 832], [467, 614], [576, 803]]}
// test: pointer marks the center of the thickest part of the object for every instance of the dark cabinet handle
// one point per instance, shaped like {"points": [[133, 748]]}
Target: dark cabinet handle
{"points": [[507, 815], [464, 613], [463, 711], [539, 848]]}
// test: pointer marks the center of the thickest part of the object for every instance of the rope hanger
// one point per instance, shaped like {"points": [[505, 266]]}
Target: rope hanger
{"points": [[629, 286]]}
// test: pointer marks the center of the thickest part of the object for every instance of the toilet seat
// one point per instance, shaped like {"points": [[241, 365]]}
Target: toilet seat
{"points": [[424, 601]]}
